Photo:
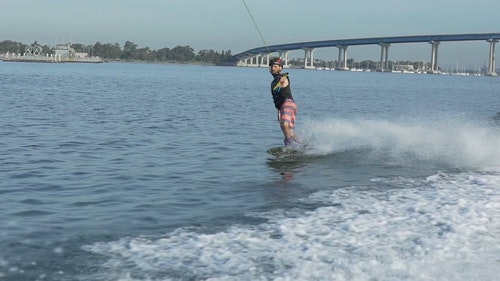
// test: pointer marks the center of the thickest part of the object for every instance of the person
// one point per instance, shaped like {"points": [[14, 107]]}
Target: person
{"points": [[284, 102]]}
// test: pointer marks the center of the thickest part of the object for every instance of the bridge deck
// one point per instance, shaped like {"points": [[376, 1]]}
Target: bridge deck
{"points": [[367, 41]]}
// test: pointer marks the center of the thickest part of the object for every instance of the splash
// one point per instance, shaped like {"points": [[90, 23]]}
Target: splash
{"points": [[457, 143]]}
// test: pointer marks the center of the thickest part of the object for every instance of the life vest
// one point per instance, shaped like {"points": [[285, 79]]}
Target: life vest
{"points": [[280, 94]]}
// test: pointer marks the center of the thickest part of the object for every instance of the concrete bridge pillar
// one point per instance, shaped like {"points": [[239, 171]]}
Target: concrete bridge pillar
{"points": [[491, 61], [257, 60], [384, 57], [243, 62], [251, 61], [263, 60], [284, 56], [342, 60], [309, 53], [434, 57]]}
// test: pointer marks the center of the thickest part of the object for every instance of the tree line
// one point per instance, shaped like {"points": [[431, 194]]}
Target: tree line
{"points": [[129, 51]]}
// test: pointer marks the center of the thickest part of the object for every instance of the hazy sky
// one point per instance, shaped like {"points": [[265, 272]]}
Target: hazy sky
{"points": [[226, 25]]}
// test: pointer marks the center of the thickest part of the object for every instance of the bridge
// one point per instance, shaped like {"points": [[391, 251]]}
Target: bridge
{"points": [[260, 56]]}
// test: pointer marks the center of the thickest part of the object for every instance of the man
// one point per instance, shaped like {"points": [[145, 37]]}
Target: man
{"points": [[283, 101]]}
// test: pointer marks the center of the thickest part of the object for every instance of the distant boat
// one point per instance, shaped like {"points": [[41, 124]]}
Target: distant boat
{"points": [[62, 53]]}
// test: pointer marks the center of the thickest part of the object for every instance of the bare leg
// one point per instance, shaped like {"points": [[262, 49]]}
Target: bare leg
{"points": [[287, 131]]}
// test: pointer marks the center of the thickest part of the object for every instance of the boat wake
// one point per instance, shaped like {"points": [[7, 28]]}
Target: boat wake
{"points": [[439, 227]]}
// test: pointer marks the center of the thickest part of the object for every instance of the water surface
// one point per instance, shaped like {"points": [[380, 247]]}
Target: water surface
{"points": [[160, 172]]}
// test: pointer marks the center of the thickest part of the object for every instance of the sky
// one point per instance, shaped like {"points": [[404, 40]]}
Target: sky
{"points": [[227, 25]]}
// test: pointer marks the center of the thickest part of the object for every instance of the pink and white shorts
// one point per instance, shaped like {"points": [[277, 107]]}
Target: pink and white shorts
{"points": [[287, 112]]}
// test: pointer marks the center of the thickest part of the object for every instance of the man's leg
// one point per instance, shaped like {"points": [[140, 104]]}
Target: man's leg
{"points": [[287, 122], [289, 134], [287, 131]]}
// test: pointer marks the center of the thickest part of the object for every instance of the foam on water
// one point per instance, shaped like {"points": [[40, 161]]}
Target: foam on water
{"points": [[455, 143], [443, 227]]}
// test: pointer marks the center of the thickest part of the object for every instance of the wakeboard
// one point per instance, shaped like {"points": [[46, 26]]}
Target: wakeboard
{"points": [[282, 152]]}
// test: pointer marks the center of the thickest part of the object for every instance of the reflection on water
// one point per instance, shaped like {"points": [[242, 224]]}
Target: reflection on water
{"points": [[286, 167]]}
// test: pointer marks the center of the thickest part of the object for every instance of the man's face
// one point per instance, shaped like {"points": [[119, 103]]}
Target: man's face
{"points": [[275, 69]]}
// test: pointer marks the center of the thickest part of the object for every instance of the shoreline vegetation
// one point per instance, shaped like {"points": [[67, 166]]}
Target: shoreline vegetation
{"points": [[130, 52]]}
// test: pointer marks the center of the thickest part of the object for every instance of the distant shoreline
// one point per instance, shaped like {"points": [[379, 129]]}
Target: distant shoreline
{"points": [[46, 59]]}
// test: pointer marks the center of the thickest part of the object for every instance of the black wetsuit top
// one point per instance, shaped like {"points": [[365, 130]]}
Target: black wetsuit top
{"points": [[280, 94]]}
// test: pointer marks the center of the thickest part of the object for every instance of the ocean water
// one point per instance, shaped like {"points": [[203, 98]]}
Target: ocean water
{"points": [[160, 172]]}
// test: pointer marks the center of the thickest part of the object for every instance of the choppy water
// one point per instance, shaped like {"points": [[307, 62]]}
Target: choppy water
{"points": [[160, 172]]}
